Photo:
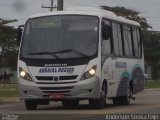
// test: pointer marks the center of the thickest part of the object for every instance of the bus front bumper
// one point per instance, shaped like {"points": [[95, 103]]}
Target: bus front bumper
{"points": [[84, 89]]}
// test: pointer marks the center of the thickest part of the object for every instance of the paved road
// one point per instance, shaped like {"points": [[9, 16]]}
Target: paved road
{"points": [[147, 101]]}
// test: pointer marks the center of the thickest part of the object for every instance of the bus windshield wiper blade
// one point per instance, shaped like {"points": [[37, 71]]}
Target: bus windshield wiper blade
{"points": [[45, 53], [73, 51]]}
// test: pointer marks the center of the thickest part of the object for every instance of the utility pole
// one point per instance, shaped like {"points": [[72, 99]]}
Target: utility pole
{"points": [[51, 7], [59, 5]]}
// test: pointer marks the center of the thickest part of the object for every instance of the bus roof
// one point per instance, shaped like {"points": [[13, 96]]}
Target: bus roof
{"points": [[89, 11]]}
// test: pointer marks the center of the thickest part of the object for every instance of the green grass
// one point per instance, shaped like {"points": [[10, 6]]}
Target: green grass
{"points": [[11, 90], [152, 84], [8, 93], [8, 90]]}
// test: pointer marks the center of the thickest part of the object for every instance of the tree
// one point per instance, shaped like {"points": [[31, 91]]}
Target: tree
{"points": [[129, 14], [3, 22], [8, 44], [152, 51]]}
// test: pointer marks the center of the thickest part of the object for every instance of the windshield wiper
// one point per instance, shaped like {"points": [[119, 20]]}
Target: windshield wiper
{"points": [[73, 51], [45, 53]]}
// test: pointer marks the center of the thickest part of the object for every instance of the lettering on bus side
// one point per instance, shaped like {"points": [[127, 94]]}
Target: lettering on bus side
{"points": [[120, 65], [55, 70]]}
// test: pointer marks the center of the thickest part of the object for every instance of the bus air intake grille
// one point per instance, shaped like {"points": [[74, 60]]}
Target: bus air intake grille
{"points": [[51, 78], [56, 89]]}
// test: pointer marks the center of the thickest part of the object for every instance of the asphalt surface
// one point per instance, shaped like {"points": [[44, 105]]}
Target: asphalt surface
{"points": [[146, 103]]}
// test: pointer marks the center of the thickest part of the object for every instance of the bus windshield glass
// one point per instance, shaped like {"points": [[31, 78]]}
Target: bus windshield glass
{"points": [[60, 37]]}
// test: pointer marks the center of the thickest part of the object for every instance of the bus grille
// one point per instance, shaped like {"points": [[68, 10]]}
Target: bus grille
{"points": [[51, 78], [63, 90]]}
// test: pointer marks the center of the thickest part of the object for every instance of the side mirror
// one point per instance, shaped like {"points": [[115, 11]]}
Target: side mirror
{"points": [[105, 31], [19, 33]]}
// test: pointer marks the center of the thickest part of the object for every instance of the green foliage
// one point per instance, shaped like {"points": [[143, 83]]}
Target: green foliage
{"points": [[151, 46], [6, 21], [152, 51], [9, 59], [8, 45]]}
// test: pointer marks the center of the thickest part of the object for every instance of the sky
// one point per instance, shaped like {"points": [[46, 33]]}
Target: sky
{"points": [[21, 9]]}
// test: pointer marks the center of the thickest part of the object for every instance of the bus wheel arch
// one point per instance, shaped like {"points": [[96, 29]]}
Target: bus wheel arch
{"points": [[105, 86], [124, 98], [100, 102]]}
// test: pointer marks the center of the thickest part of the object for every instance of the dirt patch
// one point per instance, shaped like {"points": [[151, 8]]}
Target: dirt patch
{"points": [[8, 99]]}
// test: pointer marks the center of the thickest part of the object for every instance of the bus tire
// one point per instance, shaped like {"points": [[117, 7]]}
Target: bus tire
{"points": [[70, 103], [125, 100], [99, 103], [30, 104]]}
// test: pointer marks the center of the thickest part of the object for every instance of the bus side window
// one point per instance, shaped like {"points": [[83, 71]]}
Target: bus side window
{"points": [[137, 44], [117, 39], [106, 37], [127, 40]]}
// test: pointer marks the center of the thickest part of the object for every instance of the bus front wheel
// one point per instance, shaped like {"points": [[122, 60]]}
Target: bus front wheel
{"points": [[99, 103], [30, 104]]}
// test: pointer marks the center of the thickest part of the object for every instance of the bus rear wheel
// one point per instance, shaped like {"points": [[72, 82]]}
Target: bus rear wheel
{"points": [[30, 104], [123, 100], [126, 99]]}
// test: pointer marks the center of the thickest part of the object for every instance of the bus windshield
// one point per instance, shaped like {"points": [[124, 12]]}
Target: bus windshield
{"points": [[60, 37]]}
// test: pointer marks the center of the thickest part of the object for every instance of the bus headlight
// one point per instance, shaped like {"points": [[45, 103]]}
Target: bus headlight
{"points": [[24, 75], [90, 73]]}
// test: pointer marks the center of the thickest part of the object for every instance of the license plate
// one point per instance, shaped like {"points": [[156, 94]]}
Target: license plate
{"points": [[56, 96]]}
